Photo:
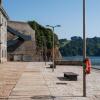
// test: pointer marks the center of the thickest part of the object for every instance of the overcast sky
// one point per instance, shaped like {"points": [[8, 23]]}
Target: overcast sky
{"points": [[67, 13]]}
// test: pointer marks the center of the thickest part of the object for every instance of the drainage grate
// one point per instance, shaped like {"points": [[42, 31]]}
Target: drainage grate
{"points": [[61, 83], [63, 79], [43, 97]]}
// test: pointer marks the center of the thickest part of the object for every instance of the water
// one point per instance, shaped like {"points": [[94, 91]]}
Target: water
{"points": [[94, 60]]}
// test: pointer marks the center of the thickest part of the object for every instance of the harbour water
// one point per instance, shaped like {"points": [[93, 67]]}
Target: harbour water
{"points": [[94, 60]]}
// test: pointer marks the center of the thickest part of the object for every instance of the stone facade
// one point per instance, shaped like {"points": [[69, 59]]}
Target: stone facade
{"points": [[21, 42], [3, 34]]}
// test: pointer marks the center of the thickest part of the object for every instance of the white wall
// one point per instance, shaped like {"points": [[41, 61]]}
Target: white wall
{"points": [[3, 38]]}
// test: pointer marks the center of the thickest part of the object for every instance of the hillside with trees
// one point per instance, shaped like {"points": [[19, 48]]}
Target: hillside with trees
{"points": [[74, 47], [42, 34], [44, 38]]}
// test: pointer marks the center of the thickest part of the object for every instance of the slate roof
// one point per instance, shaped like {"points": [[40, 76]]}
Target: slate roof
{"points": [[18, 34], [12, 42], [4, 12], [20, 31], [22, 27]]}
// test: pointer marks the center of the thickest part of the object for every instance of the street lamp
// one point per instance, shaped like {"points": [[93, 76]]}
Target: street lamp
{"points": [[44, 49], [84, 49], [53, 29]]}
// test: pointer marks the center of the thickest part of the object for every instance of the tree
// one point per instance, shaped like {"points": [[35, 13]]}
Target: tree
{"points": [[75, 46]]}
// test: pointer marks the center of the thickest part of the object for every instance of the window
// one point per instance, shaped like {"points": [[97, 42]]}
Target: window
{"points": [[5, 24], [2, 53], [2, 20], [5, 53]]}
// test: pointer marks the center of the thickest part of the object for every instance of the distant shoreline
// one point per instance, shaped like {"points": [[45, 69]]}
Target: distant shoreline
{"points": [[94, 60]]}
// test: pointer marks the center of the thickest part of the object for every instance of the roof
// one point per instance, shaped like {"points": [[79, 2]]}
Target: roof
{"points": [[4, 12], [19, 31], [12, 42], [18, 34], [22, 27]]}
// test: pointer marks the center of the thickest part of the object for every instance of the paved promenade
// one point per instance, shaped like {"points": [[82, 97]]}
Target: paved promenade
{"points": [[35, 81]]}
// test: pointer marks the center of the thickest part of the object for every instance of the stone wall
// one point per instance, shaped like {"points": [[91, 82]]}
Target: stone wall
{"points": [[62, 62], [24, 50]]}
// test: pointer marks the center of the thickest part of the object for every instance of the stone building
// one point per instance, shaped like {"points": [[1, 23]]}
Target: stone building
{"points": [[20, 42], [3, 34]]}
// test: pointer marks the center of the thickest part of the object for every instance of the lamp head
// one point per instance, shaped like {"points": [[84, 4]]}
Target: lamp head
{"points": [[47, 25], [58, 25]]}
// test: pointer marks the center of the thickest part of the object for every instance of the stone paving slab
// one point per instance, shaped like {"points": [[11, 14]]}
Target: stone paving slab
{"points": [[9, 75], [36, 82]]}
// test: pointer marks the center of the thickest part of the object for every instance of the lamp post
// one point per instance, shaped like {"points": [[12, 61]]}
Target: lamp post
{"points": [[45, 50], [84, 49], [53, 29]]}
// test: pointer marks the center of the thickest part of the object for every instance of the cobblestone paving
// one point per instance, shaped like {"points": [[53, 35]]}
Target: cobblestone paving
{"points": [[38, 82]]}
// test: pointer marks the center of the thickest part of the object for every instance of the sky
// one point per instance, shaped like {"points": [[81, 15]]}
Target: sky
{"points": [[67, 13]]}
